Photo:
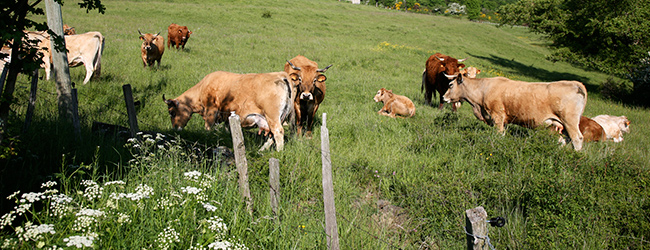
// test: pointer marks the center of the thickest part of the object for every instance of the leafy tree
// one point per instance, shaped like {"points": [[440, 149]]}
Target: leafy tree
{"points": [[609, 35], [473, 9], [14, 20]]}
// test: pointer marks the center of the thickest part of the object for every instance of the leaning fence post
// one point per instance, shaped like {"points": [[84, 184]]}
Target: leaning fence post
{"points": [[32, 101], [240, 159], [331, 228], [274, 183], [130, 109], [476, 229]]}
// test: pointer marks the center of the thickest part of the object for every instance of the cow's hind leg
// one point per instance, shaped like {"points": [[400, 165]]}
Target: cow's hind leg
{"points": [[89, 71]]}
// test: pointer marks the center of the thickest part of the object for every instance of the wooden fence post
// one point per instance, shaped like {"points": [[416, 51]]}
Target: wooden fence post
{"points": [[274, 182], [331, 228], [75, 115], [32, 101], [240, 159], [130, 109], [476, 229]]}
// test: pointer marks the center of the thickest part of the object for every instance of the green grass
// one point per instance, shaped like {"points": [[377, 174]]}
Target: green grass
{"points": [[434, 165]]}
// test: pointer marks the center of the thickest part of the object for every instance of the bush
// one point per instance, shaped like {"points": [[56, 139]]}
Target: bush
{"points": [[640, 78]]}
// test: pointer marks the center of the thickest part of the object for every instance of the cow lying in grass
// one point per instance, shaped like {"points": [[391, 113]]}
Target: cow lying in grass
{"points": [[614, 126], [590, 129], [394, 105], [262, 100]]}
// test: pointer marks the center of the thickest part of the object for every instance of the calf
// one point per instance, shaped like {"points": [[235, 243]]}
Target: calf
{"points": [[152, 48], [499, 101], [614, 126], [177, 35], [590, 129], [262, 100], [394, 104], [470, 72]]}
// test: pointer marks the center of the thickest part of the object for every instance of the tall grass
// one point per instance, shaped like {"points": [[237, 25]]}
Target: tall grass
{"points": [[433, 166]]}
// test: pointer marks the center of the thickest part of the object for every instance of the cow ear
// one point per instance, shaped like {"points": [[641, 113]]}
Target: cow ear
{"points": [[461, 65], [294, 76], [321, 78]]}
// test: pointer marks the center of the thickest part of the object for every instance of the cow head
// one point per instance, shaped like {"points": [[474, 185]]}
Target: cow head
{"points": [[383, 95], [454, 92], [451, 65], [67, 30], [470, 72], [624, 124], [179, 113], [148, 40], [310, 82], [184, 33]]}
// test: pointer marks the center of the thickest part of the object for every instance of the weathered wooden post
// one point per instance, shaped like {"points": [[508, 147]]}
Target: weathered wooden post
{"points": [[240, 159], [331, 228], [59, 59], [274, 183], [476, 229], [32, 101], [130, 109]]}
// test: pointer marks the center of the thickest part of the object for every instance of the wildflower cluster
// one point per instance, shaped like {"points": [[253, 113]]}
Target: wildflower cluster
{"points": [[455, 9]]}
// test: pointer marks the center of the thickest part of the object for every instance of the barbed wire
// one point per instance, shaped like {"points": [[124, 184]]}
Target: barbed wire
{"points": [[486, 237]]}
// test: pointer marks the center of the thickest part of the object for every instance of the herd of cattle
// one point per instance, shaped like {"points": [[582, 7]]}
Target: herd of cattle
{"points": [[267, 100]]}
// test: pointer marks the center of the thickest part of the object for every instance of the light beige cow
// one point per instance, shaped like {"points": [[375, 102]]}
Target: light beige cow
{"points": [[83, 49], [394, 105], [614, 126], [499, 101]]}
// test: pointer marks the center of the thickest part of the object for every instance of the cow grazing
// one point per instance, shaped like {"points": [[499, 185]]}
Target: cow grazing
{"points": [[470, 72], [177, 35], [67, 30], [310, 90], [262, 100], [394, 105], [434, 79], [83, 49], [614, 126], [499, 101], [153, 47]]}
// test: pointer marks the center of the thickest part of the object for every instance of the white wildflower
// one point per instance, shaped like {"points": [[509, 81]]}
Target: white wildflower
{"points": [[13, 195], [167, 238], [22, 208], [32, 197], [7, 219], [149, 140], [35, 232], [192, 175], [48, 184], [209, 207], [114, 183], [59, 205], [123, 218], [191, 190], [93, 190], [79, 241], [90, 212], [83, 223], [226, 245], [9, 243], [216, 225]]}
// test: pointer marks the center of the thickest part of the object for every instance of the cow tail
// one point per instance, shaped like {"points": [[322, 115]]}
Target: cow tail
{"points": [[97, 64], [287, 111], [424, 80]]}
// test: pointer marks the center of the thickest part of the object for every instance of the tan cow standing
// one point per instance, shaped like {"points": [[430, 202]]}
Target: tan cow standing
{"points": [[263, 100], [152, 48], [614, 126], [499, 101], [83, 49], [310, 91], [394, 104]]}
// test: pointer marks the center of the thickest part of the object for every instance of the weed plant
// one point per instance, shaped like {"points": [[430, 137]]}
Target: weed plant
{"points": [[429, 168]]}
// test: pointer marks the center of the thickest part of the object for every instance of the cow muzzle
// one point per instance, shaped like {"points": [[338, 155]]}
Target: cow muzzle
{"points": [[306, 96]]}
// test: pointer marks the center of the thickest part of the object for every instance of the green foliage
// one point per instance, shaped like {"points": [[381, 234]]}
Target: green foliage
{"points": [[433, 166], [611, 36]]}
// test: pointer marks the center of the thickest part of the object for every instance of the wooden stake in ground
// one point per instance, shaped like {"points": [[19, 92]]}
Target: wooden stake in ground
{"points": [[240, 159], [274, 182], [331, 228], [476, 229], [130, 109]]}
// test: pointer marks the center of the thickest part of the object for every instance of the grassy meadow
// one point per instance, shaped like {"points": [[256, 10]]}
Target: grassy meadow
{"points": [[430, 168]]}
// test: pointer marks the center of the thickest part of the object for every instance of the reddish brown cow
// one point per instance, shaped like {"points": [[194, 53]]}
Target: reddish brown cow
{"points": [[590, 129], [499, 101], [177, 35], [153, 47], [262, 100], [433, 77], [310, 90], [67, 30]]}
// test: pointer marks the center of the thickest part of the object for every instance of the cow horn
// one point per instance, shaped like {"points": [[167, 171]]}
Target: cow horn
{"points": [[292, 66], [164, 99], [450, 76], [441, 59], [157, 34], [462, 60], [325, 69], [140, 32]]}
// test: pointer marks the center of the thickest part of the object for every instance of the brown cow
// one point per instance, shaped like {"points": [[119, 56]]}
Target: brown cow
{"points": [[177, 35], [590, 129], [262, 100], [434, 79], [67, 30], [310, 90], [394, 104], [83, 49], [153, 47], [499, 101], [614, 126]]}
